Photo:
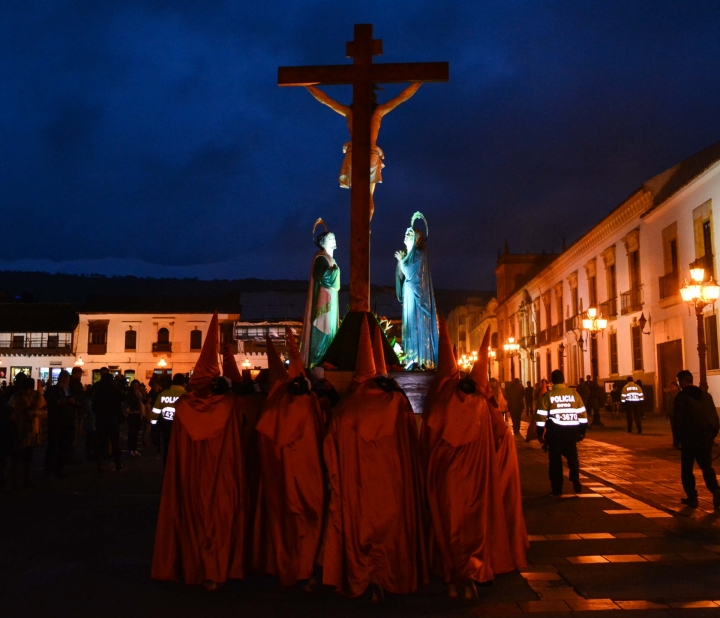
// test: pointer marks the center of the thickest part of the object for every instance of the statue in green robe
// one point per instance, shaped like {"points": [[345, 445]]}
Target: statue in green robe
{"points": [[322, 315]]}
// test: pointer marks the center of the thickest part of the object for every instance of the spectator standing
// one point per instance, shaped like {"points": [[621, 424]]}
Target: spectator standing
{"points": [[515, 401], [135, 407], [78, 392], [62, 415], [595, 399], [107, 407], [633, 400], [583, 389], [615, 397], [696, 422], [28, 409], [88, 424], [529, 408]]}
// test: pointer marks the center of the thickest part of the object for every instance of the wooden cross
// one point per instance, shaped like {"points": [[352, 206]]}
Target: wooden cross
{"points": [[362, 74]]}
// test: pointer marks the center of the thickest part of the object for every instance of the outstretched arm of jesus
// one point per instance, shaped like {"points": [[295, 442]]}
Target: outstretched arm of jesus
{"points": [[343, 110], [401, 98]]}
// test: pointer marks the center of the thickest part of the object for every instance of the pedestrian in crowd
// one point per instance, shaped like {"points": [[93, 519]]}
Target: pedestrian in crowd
{"points": [[515, 401], [632, 400], [88, 424], [135, 406], [164, 409], [615, 397], [78, 392], [8, 440], [561, 424], [28, 409], [107, 407], [670, 392], [595, 399], [62, 419], [697, 424], [529, 407]]}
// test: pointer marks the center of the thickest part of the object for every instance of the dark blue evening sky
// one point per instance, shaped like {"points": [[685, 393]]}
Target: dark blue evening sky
{"points": [[150, 137]]}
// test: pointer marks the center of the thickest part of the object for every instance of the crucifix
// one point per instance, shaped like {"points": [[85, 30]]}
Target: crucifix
{"points": [[362, 75]]}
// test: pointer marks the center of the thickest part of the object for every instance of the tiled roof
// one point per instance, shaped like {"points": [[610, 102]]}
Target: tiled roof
{"points": [[37, 318], [668, 183]]}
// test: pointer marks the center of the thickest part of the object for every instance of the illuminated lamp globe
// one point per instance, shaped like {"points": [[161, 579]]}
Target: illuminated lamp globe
{"points": [[162, 363], [710, 291], [587, 323], [697, 274], [592, 313], [602, 323], [690, 292]]}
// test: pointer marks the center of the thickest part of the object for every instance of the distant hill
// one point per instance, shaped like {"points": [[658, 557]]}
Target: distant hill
{"points": [[253, 298]]}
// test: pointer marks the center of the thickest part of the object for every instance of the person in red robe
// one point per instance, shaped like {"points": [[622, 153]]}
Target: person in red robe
{"points": [[201, 524], [462, 479], [374, 535], [507, 465], [291, 497]]}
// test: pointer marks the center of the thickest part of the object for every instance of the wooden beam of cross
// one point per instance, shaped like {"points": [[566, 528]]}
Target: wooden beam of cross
{"points": [[361, 75]]}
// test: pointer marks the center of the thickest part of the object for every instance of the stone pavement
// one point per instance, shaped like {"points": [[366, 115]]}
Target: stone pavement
{"points": [[82, 546]]}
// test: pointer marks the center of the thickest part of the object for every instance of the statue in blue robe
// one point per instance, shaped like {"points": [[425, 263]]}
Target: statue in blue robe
{"points": [[414, 289]]}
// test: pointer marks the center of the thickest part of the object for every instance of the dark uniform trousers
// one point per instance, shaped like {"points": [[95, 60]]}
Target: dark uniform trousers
{"points": [[165, 432], [634, 410], [562, 444], [697, 448]]}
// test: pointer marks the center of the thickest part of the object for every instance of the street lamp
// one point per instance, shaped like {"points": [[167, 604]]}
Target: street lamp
{"points": [[593, 324], [512, 349], [79, 362], [162, 363], [467, 361], [491, 357], [699, 294], [246, 364]]}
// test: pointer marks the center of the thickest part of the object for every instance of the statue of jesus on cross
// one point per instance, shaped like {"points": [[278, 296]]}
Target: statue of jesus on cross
{"points": [[376, 153]]}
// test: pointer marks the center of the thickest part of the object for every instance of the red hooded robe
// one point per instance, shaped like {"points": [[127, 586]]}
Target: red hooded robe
{"points": [[291, 498], [462, 477], [201, 524], [507, 465], [374, 532]]}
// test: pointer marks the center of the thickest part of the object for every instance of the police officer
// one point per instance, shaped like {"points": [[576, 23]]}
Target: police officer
{"points": [[561, 424], [163, 411], [633, 400]]}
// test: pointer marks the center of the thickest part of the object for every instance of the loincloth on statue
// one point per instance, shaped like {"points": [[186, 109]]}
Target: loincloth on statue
{"points": [[376, 165]]}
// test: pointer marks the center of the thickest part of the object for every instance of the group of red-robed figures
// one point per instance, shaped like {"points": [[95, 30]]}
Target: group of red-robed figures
{"points": [[246, 482]]}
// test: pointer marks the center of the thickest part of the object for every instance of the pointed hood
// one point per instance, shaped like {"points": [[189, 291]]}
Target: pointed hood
{"points": [[207, 366], [296, 364], [276, 367], [365, 363], [229, 366], [479, 371], [447, 366], [378, 352]]}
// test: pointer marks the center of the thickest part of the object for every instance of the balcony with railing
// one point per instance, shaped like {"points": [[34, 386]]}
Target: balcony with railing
{"points": [[40, 344], [574, 322], [556, 332], [97, 348], [608, 309], [529, 342], [162, 346], [544, 337], [631, 301], [669, 285]]}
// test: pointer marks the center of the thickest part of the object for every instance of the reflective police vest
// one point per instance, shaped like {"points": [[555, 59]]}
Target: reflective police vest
{"points": [[632, 393], [563, 407], [165, 403]]}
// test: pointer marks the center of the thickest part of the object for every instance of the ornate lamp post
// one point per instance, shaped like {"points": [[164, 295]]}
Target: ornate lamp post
{"points": [[699, 294], [593, 324], [512, 348], [246, 364], [467, 361]]}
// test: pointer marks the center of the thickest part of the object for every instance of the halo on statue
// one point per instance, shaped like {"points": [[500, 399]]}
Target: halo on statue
{"points": [[319, 239], [415, 217]]}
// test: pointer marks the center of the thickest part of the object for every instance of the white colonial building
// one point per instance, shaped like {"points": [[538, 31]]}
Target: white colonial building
{"points": [[630, 267]]}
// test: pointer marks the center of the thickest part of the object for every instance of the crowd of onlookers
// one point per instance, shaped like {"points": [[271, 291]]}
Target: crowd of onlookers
{"points": [[75, 422]]}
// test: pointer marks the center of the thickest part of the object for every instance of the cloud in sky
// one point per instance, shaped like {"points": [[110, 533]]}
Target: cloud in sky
{"points": [[153, 132]]}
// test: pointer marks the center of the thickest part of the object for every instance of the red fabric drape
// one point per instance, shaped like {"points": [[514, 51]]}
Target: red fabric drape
{"points": [[291, 498], [201, 524], [374, 530]]}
